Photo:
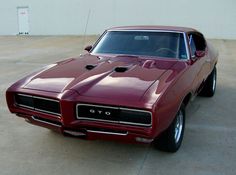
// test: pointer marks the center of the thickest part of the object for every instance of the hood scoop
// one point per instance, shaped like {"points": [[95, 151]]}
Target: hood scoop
{"points": [[90, 66], [121, 69]]}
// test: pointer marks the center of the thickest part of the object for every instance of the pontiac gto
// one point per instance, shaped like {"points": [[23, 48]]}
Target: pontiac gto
{"points": [[133, 85]]}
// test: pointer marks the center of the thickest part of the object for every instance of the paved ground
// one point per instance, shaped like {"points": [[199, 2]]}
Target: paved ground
{"points": [[208, 147]]}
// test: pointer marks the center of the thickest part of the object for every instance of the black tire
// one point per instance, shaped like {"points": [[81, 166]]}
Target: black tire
{"points": [[210, 85], [171, 139]]}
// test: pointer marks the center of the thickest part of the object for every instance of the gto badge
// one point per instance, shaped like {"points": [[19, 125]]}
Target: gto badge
{"points": [[93, 111]]}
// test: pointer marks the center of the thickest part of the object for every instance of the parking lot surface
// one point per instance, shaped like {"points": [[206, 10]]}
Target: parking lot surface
{"points": [[209, 145]]}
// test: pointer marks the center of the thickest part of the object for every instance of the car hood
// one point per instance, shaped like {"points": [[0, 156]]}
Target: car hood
{"points": [[110, 77]]}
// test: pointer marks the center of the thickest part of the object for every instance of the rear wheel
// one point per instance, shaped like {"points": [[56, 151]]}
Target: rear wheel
{"points": [[171, 139], [210, 84]]}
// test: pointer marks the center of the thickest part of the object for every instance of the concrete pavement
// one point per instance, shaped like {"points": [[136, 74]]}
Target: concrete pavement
{"points": [[208, 147]]}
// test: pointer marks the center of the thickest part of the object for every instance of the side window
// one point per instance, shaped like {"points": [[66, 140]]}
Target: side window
{"points": [[196, 42]]}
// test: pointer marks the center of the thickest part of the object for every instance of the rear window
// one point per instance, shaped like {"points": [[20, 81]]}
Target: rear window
{"points": [[147, 43]]}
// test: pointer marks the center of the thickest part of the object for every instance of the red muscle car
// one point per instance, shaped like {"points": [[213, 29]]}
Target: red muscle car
{"points": [[133, 85]]}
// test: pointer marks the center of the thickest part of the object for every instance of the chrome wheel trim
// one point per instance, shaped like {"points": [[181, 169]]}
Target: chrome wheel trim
{"points": [[179, 126], [214, 82]]}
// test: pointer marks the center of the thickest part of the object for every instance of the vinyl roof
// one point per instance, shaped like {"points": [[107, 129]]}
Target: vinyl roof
{"points": [[169, 28]]}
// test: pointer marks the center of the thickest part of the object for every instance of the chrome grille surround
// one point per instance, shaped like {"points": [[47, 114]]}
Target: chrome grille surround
{"points": [[115, 121], [36, 107]]}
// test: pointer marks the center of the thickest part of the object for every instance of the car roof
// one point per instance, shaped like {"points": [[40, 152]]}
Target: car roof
{"points": [[167, 28]]}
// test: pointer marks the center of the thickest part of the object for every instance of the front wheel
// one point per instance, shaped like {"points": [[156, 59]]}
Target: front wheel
{"points": [[210, 84], [171, 139]]}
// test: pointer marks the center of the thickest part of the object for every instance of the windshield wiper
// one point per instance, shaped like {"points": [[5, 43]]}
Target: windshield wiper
{"points": [[127, 55]]}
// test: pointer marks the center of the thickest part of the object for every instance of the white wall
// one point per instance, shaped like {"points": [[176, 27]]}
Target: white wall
{"points": [[214, 18]]}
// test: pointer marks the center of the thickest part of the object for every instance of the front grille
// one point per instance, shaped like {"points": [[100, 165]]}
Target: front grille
{"points": [[40, 104], [114, 115]]}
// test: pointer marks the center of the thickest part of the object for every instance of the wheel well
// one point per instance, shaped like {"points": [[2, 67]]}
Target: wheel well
{"points": [[187, 99]]}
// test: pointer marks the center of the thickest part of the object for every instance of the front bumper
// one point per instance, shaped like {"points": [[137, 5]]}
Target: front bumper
{"points": [[90, 132], [69, 124]]}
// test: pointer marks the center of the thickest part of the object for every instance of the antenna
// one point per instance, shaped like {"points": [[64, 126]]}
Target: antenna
{"points": [[86, 26]]}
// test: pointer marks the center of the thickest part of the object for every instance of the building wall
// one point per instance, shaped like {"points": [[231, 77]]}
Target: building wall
{"points": [[216, 19]]}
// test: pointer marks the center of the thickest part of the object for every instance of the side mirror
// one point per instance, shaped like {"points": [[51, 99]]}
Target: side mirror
{"points": [[88, 48], [200, 53]]}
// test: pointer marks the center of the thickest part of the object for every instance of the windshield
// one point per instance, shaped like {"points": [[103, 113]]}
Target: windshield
{"points": [[147, 43]]}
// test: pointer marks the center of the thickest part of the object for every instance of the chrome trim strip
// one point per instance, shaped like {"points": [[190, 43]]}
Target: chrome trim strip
{"points": [[138, 110], [112, 121], [186, 46], [145, 30], [74, 133], [43, 98], [36, 109], [101, 106], [138, 124], [25, 95], [41, 110], [38, 120], [24, 106], [109, 133]]}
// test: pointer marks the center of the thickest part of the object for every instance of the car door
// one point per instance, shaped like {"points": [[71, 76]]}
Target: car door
{"points": [[200, 65]]}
